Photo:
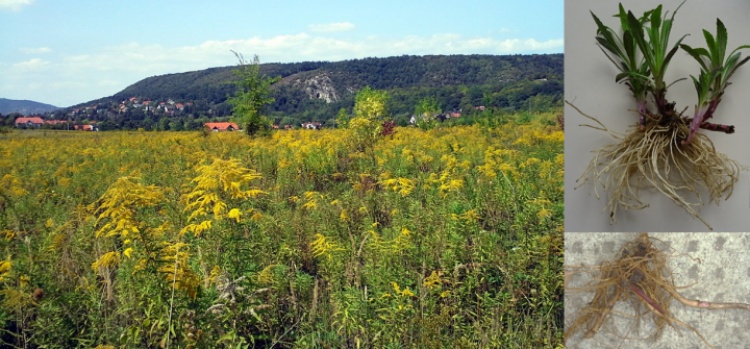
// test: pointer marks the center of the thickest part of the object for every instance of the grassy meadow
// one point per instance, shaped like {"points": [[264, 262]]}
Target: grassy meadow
{"points": [[441, 238]]}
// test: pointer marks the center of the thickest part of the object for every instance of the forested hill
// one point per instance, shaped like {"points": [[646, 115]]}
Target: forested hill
{"points": [[378, 73], [316, 91], [24, 107]]}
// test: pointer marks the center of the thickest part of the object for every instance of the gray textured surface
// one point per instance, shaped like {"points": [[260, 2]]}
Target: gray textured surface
{"points": [[714, 266]]}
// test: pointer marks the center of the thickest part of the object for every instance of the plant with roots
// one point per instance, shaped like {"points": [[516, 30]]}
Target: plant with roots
{"points": [[639, 276], [665, 149]]}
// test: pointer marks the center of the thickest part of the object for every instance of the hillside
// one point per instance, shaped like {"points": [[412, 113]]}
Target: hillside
{"points": [[316, 91], [8, 106]]}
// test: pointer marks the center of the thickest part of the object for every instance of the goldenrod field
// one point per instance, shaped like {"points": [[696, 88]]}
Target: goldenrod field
{"points": [[447, 238]]}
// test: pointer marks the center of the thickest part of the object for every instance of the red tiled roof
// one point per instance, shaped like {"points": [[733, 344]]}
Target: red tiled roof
{"points": [[29, 119], [89, 127], [221, 126]]}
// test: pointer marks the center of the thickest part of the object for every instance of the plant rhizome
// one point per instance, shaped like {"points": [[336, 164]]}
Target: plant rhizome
{"points": [[639, 276], [664, 150]]}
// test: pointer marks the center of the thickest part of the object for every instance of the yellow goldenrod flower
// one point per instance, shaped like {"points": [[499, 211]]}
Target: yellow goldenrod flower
{"points": [[9, 235], [235, 214], [433, 280], [396, 288], [107, 260], [5, 265], [343, 216]]}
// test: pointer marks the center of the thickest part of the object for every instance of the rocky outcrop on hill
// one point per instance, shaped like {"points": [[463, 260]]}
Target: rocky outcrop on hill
{"points": [[319, 86]]}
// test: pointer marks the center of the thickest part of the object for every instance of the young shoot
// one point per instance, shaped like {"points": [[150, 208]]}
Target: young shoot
{"points": [[664, 151]]}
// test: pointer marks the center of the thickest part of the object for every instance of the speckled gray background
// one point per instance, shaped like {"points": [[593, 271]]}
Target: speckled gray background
{"points": [[718, 271]]}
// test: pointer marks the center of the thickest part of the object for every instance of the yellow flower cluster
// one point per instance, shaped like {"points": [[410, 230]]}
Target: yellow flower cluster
{"points": [[216, 184], [5, 268], [323, 246]]}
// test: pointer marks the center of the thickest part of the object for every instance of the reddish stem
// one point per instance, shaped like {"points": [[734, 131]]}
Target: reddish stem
{"points": [[728, 129], [638, 291]]}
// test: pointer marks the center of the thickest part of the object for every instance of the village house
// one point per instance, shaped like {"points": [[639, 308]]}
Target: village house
{"points": [[88, 127], [29, 122], [221, 126], [312, 125]]}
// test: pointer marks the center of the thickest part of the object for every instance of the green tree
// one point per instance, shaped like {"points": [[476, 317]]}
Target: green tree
{"points": [[370, 112], [371, 104], [342, 119], [163, 124], [252, 94], [176, 125], [426, 111], [287, 120]]}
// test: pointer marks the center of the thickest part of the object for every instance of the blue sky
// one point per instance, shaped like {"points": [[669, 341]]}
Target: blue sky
{"points": [[70, 52]]}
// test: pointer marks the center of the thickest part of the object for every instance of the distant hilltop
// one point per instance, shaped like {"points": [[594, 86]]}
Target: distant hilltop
{"points": [[314, 93], [25, 107]]}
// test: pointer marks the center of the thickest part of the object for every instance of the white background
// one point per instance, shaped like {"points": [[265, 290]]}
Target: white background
{"points": [[590, 85]]}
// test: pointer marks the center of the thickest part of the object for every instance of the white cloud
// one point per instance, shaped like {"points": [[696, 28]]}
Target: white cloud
{"points": [[14, 5], [31, 65], [37, 50], [511, 45], [331, 27]]}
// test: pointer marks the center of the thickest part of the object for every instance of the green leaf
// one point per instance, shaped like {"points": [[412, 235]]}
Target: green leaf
{"points": [[621, 76], [731, 67], [696, 84], [655, 34], [740, 48], [672, 52], [637, 30], [609, 46], [696, 53], [623, 18], [618, 65], [606, 38], [721, 39], [627, 40], [712, 48], [656, 18]]}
